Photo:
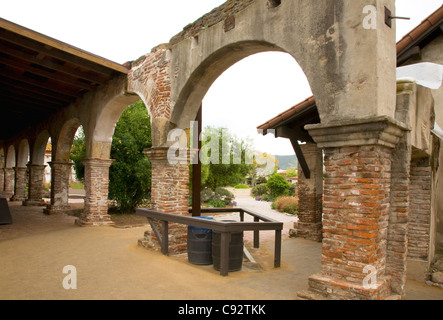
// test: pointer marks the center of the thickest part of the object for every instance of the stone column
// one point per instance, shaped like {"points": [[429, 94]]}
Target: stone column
{"points": [[20, 184], [356, 210], [9, 182], [97, 190], [420, 217], [310, 192], [2, 180], [35, 189], [60, 173], [169, 194]]}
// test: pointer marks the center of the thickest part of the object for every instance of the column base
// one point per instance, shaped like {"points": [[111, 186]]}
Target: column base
{"points": [[56, 210], [178, 236], [34, 203], [308, 231], [16, 198], [94, 221], [322, 287]]}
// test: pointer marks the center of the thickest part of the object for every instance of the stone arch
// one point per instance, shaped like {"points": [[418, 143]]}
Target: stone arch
{"points": [[200, 81], [10, 157], [348, 68], [99, 141], [39, 148], [23, 154], [62, 147]]}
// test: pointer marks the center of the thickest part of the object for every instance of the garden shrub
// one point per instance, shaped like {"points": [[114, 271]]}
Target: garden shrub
{"points": [[286, 204], [259, 190], [278, 185], [222, 193], [216, 203]]}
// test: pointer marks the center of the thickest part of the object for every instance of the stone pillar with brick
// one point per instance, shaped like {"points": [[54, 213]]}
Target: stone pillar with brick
{"points": [[9, 182], [60, 173], [356, 208], [419, 223], [2, 180], [310, 192], [20, 184], [97, 191], [35, 188], [169, 194]]}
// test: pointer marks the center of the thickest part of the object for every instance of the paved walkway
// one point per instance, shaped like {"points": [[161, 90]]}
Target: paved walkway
{"points": [[110, 265]]}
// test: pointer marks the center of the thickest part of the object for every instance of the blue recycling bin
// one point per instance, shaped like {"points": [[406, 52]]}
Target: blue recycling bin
{"points": [[200, 244]]}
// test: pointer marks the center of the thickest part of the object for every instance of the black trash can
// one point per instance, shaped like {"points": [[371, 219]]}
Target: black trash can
{"points": [[200, 244], [235, 250]]}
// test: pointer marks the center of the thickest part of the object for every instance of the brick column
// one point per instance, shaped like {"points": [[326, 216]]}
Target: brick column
{"points": [[35, 188], [20, 184], [97, 190], [60, 173], [356, 210], [169, 194], [310, 192], [9, 182]]}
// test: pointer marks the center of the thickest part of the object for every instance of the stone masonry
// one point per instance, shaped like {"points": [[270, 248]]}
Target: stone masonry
{"points": [[20, 184], [420, 209], [60, 172], [35, 191], [97, 189], [356, 209], [9, 182], [310, 193], [170, 193]]}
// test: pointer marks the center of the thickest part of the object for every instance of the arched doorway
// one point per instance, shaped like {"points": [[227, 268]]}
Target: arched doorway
{"points": [[61, 167], [21, 171], [36, 170]]}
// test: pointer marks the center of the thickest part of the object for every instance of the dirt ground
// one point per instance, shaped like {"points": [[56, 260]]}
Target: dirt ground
{"points": [[110, 265]]}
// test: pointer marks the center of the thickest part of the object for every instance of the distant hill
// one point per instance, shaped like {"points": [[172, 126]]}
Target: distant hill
{"points": [[285, 162]]}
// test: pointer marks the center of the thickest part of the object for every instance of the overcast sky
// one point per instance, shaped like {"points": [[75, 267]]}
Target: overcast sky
{"points": [[245, 96]]}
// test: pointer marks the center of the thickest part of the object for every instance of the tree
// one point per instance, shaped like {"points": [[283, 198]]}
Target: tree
{"points": [[78, 153], [130, 174], [226, 159]]}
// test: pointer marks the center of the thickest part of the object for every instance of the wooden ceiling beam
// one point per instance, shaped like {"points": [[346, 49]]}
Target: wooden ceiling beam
{"points": [[53, 66], [53, 52], [34, 96], [50, 75], [61, 46], [36, 90], [25, 101], [7, 74]]}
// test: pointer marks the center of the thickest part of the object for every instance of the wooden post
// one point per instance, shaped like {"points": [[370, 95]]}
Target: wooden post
{"points": [[197, 171]]}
